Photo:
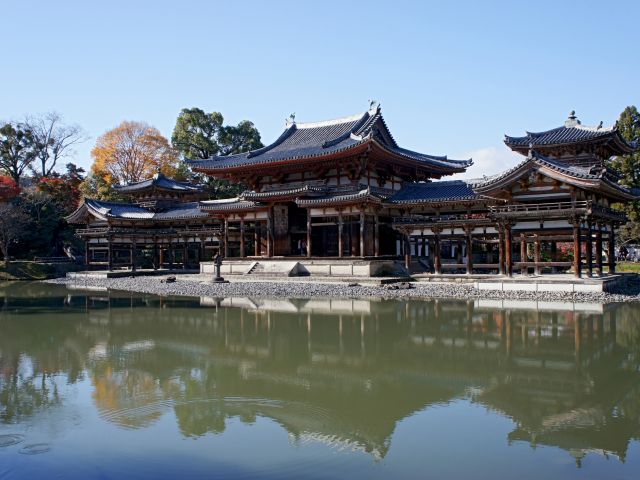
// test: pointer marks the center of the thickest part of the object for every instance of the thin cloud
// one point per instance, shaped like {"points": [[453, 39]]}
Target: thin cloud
{"points": [[489, 161]]}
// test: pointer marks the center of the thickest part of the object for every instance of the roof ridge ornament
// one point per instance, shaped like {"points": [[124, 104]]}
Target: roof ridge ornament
{"points": [[572, 121], [290, 120], [374, 106]]}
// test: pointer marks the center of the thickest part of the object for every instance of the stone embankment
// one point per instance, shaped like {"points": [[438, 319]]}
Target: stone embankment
{"points": [[197, 286]]}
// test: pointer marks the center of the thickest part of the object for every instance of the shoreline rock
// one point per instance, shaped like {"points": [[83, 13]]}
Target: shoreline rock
{"points": [[193, 286]]}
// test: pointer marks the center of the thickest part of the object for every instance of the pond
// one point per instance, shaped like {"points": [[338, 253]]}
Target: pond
{"points": [[116, 385]]}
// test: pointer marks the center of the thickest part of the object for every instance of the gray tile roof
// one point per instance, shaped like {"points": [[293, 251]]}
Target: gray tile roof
{"points": [[571, 132], [227, 204], [161, 182], [433, 192], [307, 140], [129, 211]]}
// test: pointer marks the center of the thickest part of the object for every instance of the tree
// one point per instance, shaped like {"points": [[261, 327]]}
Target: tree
{"points": [[17, 150], [629, 168], [13, 221], [200, 135], [132, 152], [53, 140], [8, 188]]}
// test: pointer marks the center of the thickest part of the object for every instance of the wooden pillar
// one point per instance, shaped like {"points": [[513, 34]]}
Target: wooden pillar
{"points": [[407, 251], [270, 237], [110, 252], [256, 239], [134, 253], [309, 233], [523, 253], [201, 250], [469, 252], [226, 238], [87, 254], [161, 257], [612, 249], [589, 250], [577, 261], [362, 252], [185, 252], [242, 238], [501, 250], [507, 254], [155, 252], [436, 251], [170, 252], [376, 235], [599, 249], [340, 229], [536, 254]]}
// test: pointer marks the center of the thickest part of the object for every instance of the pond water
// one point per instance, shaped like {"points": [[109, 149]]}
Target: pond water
{"points": [[116, 385]]}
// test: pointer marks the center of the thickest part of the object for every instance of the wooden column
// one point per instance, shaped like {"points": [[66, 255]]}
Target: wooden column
{"points": [[376, 235], [110, 252], [160, 257], [256, 239], [536, 254], [170, 252], [270, 237], [340, 229], [589, 250], [611, 253], [362, 252], [436, 251], [134, 253], [226, 238], [599, 249], [501, 250], [185, 252], [469, 247], [309, 233], [87, 254], [407, 252], [155, 252], [507, 254], [523, 253], [242, 238], [577, 261]]}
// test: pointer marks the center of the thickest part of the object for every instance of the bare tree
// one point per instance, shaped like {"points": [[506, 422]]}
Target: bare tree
{"points": [[13, 222], [53, 139]]}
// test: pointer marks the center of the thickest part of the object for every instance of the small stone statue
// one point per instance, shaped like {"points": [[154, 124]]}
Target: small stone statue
{"points": [[217, 261]]}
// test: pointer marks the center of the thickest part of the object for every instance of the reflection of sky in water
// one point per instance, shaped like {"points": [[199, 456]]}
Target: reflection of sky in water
{"points": [[404, 390]]}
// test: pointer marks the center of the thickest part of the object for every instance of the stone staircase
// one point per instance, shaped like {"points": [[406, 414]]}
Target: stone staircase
{"points": [[273, 269]]}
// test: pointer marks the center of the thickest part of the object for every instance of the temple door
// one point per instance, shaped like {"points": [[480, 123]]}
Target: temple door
{"points": [[282, 242]]}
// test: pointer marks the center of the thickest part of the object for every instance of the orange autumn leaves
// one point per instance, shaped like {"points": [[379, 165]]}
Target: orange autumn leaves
{"points": [[131, 152]]}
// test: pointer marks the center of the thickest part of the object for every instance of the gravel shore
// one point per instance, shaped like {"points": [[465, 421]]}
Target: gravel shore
{"points": [[195, 285]]}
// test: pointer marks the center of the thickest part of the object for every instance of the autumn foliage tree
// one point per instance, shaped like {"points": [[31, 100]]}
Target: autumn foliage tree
{"points": [[8, 188], [132, 152]]}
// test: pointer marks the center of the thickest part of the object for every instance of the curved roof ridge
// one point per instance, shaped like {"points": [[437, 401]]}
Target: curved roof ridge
{"points": [[334, 121]]}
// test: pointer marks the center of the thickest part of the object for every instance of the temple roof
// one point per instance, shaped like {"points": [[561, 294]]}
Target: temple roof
{"points": [[129, 211], [572, 132], [445, 191], [592, 178], [304, 141], [158, 181], [228, 205]]}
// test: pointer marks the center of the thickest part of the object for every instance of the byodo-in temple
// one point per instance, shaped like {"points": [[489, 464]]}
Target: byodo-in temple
{"points": [[344, 189]]}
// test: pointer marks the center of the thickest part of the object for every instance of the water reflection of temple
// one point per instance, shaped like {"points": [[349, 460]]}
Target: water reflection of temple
{"points": [[346, 372]]}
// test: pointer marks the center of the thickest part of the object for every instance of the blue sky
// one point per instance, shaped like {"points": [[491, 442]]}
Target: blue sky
{"points": [[452, 77]]}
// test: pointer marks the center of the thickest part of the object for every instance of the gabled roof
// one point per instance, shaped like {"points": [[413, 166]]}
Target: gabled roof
{"points": [[160, 182], [128, 211], [591, 178], [305, 141], [572, 132]]}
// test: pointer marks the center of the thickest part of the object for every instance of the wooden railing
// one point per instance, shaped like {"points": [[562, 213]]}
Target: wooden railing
{"points": [[462, 217], [539, 207], [149, 232]]}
